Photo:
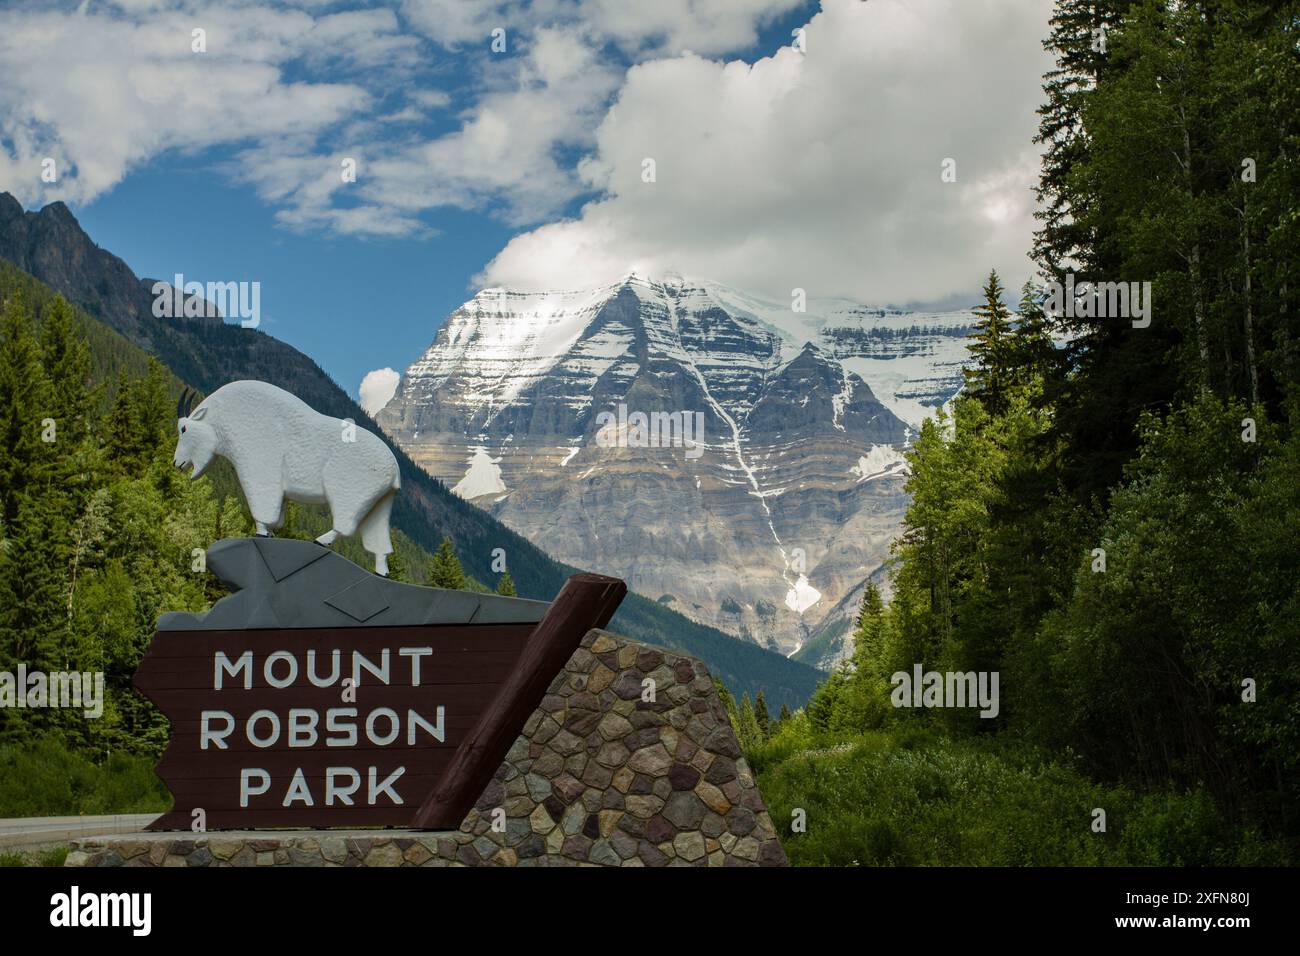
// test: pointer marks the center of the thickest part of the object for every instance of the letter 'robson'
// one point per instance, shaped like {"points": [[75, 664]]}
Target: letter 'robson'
{"points": [[283, 449]]}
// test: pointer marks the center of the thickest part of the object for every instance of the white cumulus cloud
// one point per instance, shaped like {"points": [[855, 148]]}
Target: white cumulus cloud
{"points": [[290, 88], [104, 89], [821, 169], [377, 389]]}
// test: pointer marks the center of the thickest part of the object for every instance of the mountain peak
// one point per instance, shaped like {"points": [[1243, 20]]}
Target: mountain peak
{"points": [[59, 212], [10, 207], [638, 277], [52, 246]]}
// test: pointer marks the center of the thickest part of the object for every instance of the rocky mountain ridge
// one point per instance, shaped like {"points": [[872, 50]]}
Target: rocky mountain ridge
{"points": [[570, 417]]}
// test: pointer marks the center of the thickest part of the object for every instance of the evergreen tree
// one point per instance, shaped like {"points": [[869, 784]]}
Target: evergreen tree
{"points": [[825, 701], [67, 365], [990, 377], [24, 407], [397, 570], [784, 715], [747, 729], [30, 623], [232, 520], [870, 627], [125, 446], [157, 409], [728, 701], [89, 534], [872, 606], [445, 570], [506, 585], [1080, 60], [1033, 356], [761, 716]]}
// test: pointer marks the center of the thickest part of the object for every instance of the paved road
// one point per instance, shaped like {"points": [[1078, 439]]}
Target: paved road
{"points": [[33, 831]]}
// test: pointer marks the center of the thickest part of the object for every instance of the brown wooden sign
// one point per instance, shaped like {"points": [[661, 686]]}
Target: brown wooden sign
{"points": [[348, 726]]}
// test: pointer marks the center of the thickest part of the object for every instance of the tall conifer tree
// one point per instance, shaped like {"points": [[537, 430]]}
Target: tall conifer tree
{"points": [[445, 570], [989, 378]]}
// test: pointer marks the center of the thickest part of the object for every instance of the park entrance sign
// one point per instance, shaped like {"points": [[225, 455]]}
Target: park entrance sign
{"points": [[321, 695]]}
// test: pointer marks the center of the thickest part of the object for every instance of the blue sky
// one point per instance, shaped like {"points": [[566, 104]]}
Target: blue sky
{"points": [[352, 303], [779, 165]]}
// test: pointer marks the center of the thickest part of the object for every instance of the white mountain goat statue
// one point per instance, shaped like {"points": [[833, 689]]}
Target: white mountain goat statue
{"points": [[283, 449]]}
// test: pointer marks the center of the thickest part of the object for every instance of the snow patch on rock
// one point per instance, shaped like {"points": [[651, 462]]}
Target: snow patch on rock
{"points": [[483, 477], [881, 460], [802, 596]]}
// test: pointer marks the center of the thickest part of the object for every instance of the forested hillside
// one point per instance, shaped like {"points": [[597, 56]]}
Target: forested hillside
{"points": [[1114, 527], [98, 529]]}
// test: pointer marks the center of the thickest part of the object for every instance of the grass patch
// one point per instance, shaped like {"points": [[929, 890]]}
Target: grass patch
{"points": [[55, 856], [51, 856]]}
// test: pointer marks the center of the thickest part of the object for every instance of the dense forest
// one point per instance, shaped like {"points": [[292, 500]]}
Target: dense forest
{"points": [[97, 529], [1113, 524]]}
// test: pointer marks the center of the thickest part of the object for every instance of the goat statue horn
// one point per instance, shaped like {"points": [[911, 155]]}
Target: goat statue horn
{"points": [[182, 405]]}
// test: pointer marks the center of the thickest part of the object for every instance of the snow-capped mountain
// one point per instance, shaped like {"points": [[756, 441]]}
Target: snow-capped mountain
{"points": [[726, 454]]}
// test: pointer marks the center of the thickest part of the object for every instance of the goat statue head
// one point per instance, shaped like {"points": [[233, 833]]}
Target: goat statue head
{"points": [[197, 440]]}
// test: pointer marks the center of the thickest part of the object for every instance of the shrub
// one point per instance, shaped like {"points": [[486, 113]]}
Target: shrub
{"points": [[47, 779]]}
